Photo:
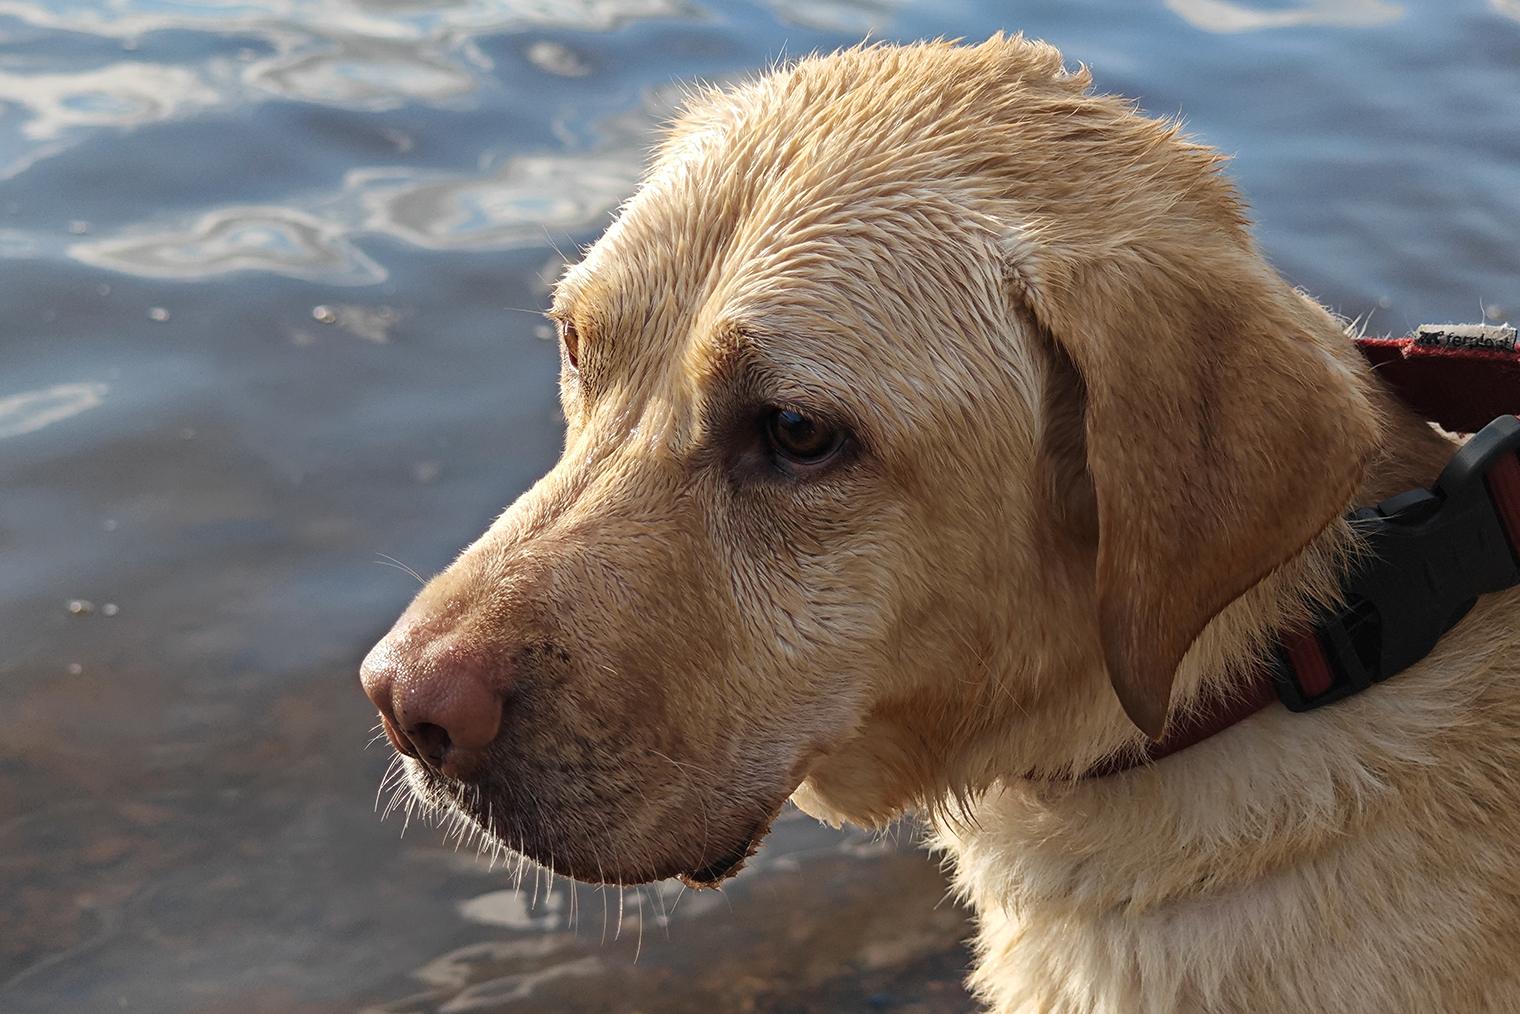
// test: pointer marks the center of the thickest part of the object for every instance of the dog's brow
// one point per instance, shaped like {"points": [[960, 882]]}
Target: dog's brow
{"points": [[560, 308], [758, 361], [568, 291]]}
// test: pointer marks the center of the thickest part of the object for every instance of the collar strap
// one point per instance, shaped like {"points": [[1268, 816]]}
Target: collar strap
{"points": [[1432, 551], [1458, 375]]}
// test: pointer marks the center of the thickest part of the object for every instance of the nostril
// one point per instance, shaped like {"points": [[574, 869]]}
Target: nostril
{"points": [[396, 736], [440, 697], [431, 741]]}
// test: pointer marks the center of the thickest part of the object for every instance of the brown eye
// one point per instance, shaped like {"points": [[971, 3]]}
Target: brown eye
{"points": [[801, 439], [572, 342]]}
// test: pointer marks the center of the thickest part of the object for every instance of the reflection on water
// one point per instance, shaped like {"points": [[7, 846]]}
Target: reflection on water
{"points": [[858, 17], [32, 410], [529, 197], [283, 240], [366, 72], [122, 95], [557, 59], [519, 204], [268, 339], [1224, 16]]}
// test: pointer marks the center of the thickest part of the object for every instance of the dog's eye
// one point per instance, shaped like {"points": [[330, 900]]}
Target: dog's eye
{"points": [[800, 439], [572, 343]]}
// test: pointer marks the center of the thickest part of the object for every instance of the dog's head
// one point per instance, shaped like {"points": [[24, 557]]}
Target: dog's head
{"points": [[917, 398]]}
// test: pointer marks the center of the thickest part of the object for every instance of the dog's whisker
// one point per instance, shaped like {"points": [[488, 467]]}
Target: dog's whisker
{"points": [[617, 932], [601, 890], [391, 561], [384, 783]]}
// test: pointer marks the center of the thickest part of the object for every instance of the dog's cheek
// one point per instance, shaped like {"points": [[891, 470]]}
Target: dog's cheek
{"points": [[822, 650]]}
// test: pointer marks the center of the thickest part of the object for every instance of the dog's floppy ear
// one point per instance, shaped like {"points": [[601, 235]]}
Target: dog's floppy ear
{"points": [[1224, 429]]}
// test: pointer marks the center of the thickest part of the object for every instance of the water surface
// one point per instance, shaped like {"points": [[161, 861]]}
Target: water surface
{"points": [[269, 274]]}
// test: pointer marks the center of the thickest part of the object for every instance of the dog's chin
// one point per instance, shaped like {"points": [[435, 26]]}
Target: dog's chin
{"points": [[601, 851], [727, 865]]}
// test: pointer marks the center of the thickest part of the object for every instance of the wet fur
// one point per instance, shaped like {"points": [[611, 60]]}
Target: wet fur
{"points": [[1099, 453]]}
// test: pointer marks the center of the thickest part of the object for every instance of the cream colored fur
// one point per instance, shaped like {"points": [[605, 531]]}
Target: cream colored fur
{"points": [[1097, 452]]}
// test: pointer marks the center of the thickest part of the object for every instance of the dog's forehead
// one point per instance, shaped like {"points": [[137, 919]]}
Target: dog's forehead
{"points": [[716, 259], [781, 177], [829, 306]]}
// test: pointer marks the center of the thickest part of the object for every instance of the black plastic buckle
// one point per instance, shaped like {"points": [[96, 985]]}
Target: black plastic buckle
{"points": [[1432, 553]]}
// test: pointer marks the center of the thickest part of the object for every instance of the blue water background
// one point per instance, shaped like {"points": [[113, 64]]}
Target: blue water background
{"points": [[269, 282]]}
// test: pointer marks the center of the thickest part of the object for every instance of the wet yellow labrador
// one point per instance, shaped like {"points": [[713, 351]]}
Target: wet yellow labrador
{"points": [[935, 432]]}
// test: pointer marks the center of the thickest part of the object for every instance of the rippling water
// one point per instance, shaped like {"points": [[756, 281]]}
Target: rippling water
{"points": [[268, 280]]}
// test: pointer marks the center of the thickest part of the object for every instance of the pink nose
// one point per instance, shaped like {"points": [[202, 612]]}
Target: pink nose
{"points": [[440, 702]]}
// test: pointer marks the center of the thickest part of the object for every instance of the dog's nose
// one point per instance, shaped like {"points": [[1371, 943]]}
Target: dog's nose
{"points": [[439, 701]]}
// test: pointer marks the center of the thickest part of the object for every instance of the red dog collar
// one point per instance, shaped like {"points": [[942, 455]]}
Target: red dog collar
{"points": [[1434, 550]]}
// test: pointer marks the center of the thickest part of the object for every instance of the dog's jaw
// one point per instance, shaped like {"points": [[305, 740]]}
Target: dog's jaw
{"points": [[557, 838], [730, 864]]}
